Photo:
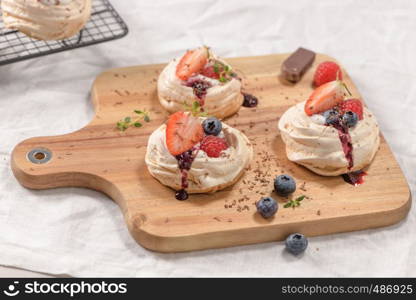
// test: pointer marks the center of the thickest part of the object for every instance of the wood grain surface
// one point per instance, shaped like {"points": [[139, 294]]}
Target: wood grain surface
{"points": [[101, 157]]}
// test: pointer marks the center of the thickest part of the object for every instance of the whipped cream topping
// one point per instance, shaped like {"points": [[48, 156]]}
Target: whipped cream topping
{"points": [[221, 99], [318, 119], [207, 174], [318, 147]]}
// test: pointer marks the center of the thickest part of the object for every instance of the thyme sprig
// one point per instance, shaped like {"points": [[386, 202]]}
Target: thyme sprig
{"points": [[195, 109], [224, 71], [294, 203], [136, 121]]}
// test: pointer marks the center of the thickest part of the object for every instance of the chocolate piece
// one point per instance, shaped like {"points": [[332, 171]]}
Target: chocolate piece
{"points": [[296, 64]]}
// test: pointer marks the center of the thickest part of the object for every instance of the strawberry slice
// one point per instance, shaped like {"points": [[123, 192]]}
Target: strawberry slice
{"points": [[192, 63], [183, 131], [325, 97], [354, 105]]}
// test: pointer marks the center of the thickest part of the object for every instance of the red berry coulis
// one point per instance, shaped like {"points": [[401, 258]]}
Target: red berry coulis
{"points": [[354, 178], [250, 100], [345, 139], [181, 195], [185, 161], [200, 88]]}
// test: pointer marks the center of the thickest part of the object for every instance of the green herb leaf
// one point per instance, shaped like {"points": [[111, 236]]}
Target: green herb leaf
{"points": [[195, 109], [216, 68], [223, 70], [129, 122], [195, 106], [294, 203], [300, 198]]}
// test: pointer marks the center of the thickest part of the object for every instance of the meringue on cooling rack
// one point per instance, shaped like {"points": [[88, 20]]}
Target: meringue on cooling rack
{"points": [[46, 19]]}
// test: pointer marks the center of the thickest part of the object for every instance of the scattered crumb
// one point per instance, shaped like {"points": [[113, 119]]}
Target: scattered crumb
{"points": [[302, 187]]}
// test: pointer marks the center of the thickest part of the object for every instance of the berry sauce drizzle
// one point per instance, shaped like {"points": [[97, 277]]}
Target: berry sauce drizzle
{"points": [[250, 100], [354, 178], [200, 88], [357, 177], [345, 139], [185, 161]]}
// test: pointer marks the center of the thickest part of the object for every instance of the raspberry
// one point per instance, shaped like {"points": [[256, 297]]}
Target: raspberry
{"points": [[353, 105], [213, 145], [326, 72], [210, 72]]}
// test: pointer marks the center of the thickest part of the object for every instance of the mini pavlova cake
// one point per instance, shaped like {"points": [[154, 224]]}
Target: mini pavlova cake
{"points": [[329, 134], [193, 154], [202, 77], [46, 19]]}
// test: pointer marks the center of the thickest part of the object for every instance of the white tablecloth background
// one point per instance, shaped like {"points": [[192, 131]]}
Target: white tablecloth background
{"points": [[80, 232]]}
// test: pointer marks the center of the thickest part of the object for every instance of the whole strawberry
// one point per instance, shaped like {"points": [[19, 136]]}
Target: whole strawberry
{"points": [[325, 72], [213, 145]]}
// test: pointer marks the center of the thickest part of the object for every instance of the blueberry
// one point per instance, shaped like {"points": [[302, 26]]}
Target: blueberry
{"points": [[212, 126], [284, 185], [267, 207], [296, 243], [349, 119], [331, 116]]}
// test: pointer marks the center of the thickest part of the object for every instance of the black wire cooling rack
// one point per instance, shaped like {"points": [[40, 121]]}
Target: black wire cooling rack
{"points": [[104, 25]]}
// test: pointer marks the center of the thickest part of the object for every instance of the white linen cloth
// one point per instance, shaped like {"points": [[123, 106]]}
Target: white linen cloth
{"points": [[79, 232]]}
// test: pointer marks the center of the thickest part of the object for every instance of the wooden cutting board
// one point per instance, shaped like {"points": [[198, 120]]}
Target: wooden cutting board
{"points": [[102, 158]]}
